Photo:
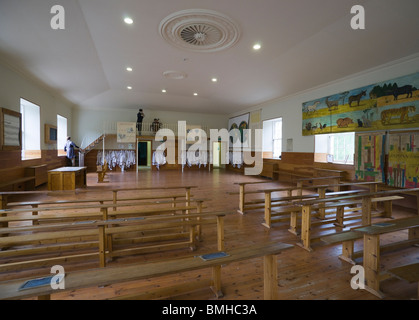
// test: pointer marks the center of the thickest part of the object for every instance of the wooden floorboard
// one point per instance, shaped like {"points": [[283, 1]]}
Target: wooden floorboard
{"points": [[319, 275]]}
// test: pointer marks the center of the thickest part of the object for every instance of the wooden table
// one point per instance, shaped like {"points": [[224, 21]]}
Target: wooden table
{"points": [[67, 178], [371, 260]]}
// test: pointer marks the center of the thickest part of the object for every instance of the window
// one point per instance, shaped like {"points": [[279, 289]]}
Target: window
{"points": [[61, 134], [335, 148], [31, 130], [272, 138]]}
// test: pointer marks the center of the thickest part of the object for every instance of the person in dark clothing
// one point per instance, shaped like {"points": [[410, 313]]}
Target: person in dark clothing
{"points": [[69, 148], [140, 117]]}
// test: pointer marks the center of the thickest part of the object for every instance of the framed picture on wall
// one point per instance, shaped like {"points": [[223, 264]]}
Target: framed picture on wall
{"points": [[50, 134], [240, 123], [11, 130]]}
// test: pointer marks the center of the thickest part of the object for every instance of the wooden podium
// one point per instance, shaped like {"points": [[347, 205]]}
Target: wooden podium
{"points": [[67, 178]]}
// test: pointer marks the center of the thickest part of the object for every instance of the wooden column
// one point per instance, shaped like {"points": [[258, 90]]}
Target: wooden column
{"points": [[270, 277]]}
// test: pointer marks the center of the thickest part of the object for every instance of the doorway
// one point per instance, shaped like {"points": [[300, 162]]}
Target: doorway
{"points": [[144, 155], [216, 155]]}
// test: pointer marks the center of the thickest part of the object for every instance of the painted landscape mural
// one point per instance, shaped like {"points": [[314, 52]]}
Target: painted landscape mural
{"points": [[386, 105]]}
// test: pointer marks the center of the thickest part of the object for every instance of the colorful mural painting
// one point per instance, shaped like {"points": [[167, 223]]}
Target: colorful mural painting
{"points": [[387, 105], [403, 160], [370, 157]]}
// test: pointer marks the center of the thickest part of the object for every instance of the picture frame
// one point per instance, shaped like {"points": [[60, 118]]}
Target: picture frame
{"points": [[11, 130], [50, 134]]}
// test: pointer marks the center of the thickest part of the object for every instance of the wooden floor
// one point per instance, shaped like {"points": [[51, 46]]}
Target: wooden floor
{"points": [[302, 275]]}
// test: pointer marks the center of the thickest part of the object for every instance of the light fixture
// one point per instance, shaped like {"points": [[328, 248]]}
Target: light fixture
{"points": [[129, 69], [195, 94], [128, 20], [257, 46], [214, 79], [129, 87], [164, 91]]}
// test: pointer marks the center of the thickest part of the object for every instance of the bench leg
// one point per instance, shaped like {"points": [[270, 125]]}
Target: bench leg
{"points": [[102, 247], [270, 277], [340, 214], [413, 233], [192, 238], [241, 199], [305, 228], [216, 281], [322, 210], [347, 252], [366, 211], [388, 209], [372, 264], [220, 233], [293, 223], [268, 210]]}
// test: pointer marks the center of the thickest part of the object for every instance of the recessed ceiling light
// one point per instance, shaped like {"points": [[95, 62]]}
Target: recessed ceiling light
{"points": [[128, 20], [164, 91], [214, 79], [195, 94], [129, 87], [129, 69], [257, 46]]}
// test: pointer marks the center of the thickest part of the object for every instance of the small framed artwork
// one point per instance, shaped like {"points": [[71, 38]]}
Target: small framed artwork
{"points": [[50, 134], [10, 130]]}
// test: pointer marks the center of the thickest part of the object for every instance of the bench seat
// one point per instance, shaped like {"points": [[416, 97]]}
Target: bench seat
{"points": [[111, 275]]}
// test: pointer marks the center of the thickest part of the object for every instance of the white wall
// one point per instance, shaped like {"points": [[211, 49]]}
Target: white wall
{"points": [[15, 85], [290, 108]]}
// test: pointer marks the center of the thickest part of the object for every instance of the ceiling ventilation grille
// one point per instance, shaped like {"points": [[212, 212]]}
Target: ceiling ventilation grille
{"points": [[199, 30]]}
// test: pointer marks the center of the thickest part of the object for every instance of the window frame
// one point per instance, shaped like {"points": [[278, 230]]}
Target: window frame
{"points": [[36, 153]]}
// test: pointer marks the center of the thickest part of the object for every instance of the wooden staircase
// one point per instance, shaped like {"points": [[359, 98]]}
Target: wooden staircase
{"points": [[93, 144]]}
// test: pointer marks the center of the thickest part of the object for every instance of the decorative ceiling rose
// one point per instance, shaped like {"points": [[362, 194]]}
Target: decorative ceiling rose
{"points": [[175, 75], [199, 30]]}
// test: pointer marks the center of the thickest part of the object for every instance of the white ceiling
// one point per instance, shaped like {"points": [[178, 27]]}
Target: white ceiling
{"points": [[305, 43]]}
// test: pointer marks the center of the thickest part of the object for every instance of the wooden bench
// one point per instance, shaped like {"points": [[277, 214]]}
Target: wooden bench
{"points": [[340, 203], [20, 184], [409, 273], [5, 197], [321, 193], [242, 193], [111, 275], [347, 239], [47, 245], [99, 211], [372, 250], [289, 203]]}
